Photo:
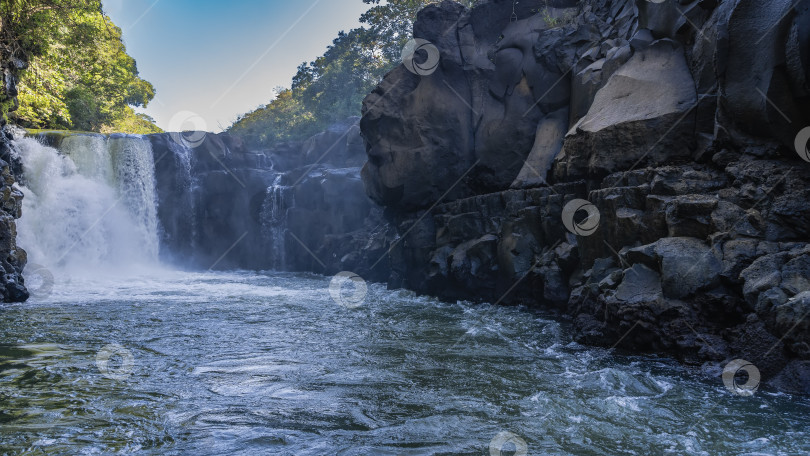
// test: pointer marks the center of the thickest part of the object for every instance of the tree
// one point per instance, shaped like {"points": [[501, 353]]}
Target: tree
{"points": [[332, 87], [390, 23], [78, 73]]}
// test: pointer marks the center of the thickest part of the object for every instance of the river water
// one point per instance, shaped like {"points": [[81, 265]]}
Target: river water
{"points": [[244, 363]]}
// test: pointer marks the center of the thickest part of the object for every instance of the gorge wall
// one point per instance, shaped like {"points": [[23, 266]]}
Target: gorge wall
{"points": [[678, 126], [300, 206], [12, 258]]}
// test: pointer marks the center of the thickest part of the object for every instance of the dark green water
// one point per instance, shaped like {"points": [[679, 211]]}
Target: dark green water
{"points": [[270, 364]]}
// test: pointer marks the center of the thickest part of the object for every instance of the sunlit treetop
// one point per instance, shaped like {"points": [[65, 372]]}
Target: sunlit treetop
{"points": [[78, 74], [332, 87]]}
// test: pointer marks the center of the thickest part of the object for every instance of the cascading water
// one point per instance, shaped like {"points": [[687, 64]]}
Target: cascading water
{"points": [[179, 220], [278, 199], [90, 207], [91, 157], [135, 175]]}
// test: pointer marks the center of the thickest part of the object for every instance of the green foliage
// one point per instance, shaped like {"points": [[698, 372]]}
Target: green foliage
{"points": [[558, 21], [128, 121], [79, 75], [333, 86], [284, 118]]}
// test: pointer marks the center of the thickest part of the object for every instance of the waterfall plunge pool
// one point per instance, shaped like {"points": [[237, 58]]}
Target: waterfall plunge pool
{"points": [[252, 363]]}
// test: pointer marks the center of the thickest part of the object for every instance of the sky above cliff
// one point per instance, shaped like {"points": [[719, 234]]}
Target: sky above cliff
{"points": [[221, 59]]}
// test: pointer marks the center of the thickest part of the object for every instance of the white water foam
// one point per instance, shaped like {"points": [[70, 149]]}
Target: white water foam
{"points": [[90, 209]]}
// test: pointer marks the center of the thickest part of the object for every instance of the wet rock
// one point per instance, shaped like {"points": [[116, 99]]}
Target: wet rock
{"points": [[794, 378], [669, 132], [790, 320], [640, 285], [686, 264], [12, 258], [691, 216], [754, 342]]}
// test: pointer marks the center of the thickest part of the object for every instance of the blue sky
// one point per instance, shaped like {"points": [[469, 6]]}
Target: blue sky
{"points": [[219, 59]]}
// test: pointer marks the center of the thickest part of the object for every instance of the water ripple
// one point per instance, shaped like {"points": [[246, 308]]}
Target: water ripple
{"points": [[242, 363]]}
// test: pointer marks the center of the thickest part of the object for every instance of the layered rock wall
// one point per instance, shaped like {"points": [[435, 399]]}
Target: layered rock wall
{"points": [[12, 257], [679, 121], [299, 206]]}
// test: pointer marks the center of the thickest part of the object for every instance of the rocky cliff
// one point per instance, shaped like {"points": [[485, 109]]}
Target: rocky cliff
{"points": [[640, 165], [298, 206], [12, 258]]}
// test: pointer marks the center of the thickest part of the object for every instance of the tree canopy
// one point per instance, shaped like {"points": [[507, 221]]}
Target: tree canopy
{"points": [[78, 74], [332, 87]]}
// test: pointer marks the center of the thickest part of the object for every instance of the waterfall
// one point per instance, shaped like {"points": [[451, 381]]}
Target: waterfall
{"points": [[90, 207], [91, 157], [187, 210], [135, 175], [274, 217], [177, 189]]}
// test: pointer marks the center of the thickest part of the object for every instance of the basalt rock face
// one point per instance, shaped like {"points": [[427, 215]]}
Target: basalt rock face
{"points": [[333, 226], [678, 121], [12, 257], [299, 206], [210, 193]]}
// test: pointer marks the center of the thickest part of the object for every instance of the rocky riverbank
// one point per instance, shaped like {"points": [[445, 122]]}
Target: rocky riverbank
{"points": [[677, 121]]}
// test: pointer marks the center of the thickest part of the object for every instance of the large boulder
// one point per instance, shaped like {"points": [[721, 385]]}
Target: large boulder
{"points": [[467, 127], [643, 116], [686, 264], [418, 128], [765, 89]]}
